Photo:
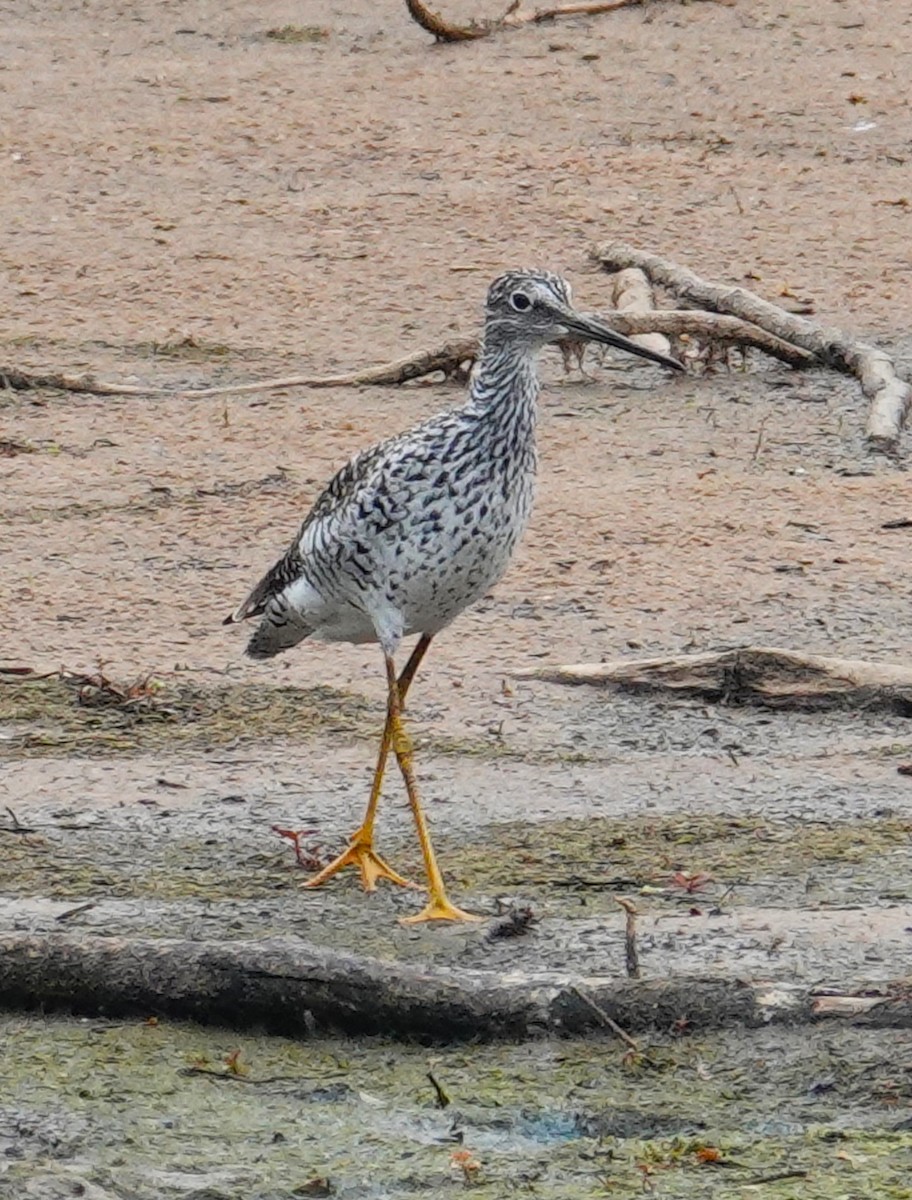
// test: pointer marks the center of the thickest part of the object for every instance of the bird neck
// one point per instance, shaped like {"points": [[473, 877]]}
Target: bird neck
{"points": [[505, 383]]}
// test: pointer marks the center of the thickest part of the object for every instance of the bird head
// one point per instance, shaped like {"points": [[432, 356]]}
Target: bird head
{"points": [[529, 309]]}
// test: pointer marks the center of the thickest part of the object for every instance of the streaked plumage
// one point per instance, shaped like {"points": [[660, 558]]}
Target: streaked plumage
{"points": [[417, 528]]}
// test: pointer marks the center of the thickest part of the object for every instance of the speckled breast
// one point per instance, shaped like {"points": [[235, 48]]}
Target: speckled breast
{"points": [[463, 537]]}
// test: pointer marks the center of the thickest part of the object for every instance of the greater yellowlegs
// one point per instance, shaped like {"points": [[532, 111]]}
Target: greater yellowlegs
{"points": [[417, 528]]}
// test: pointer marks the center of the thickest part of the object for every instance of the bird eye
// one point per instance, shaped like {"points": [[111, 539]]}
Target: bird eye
{"points": [[520, 301]]}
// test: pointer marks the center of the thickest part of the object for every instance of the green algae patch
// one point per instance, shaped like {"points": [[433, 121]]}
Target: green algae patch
{"points": [[297, 35], [695, 856], [196, 863], [184, 870], [148, 1109], [90, 715]]}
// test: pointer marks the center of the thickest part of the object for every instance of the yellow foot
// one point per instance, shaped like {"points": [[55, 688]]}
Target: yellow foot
{"points": [[372, 867], [439, 909]]}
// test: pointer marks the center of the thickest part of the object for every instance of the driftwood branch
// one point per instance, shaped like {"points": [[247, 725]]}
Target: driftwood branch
{"points": [[761, 675], [451, 359], [890, 397], [290, 987]]}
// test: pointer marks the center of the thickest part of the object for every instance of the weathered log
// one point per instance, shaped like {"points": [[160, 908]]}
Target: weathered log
{"points": [[890, 397], [764, 675], [291, 987], [295, 988]]}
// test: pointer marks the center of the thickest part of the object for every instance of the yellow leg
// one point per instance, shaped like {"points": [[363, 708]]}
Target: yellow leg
{"points": [[438, 907], [360, 851]]}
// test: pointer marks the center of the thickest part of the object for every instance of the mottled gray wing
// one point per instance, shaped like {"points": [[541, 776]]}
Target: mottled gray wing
{"points": [[340, 494]]}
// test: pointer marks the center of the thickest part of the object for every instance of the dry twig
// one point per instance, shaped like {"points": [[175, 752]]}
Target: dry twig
{"points": [[890, 397], [607, 1020], [776, 1177], [17, 826], [513, 18], [69, 913]]}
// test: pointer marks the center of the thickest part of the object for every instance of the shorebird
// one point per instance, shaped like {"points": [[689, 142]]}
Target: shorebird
{"points": [[417, 528]]}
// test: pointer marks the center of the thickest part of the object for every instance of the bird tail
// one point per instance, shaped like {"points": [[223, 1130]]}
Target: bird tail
{"points": [[254, 605], [282, 625], [280, 629]]}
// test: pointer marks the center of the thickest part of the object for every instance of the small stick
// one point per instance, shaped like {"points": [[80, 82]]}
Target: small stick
{"points": [[17, 826], [443, 1100], [74, 912], [605, 1018], [630, 937], [774, 1178], [232, 1076]]}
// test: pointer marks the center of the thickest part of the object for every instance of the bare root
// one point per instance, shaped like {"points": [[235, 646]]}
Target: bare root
{"points": [[17, 380], [443, 30], [453, 359], [890, 396]]}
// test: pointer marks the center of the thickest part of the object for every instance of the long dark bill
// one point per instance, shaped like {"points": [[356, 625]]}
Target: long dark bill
{"points": [[582, 325]]}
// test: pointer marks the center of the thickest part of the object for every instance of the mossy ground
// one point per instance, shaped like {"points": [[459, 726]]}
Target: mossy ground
{"points": [[809, 1114], [599, 854], [88, 716], [557, 862], [113, 1105], [64, 714]]}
